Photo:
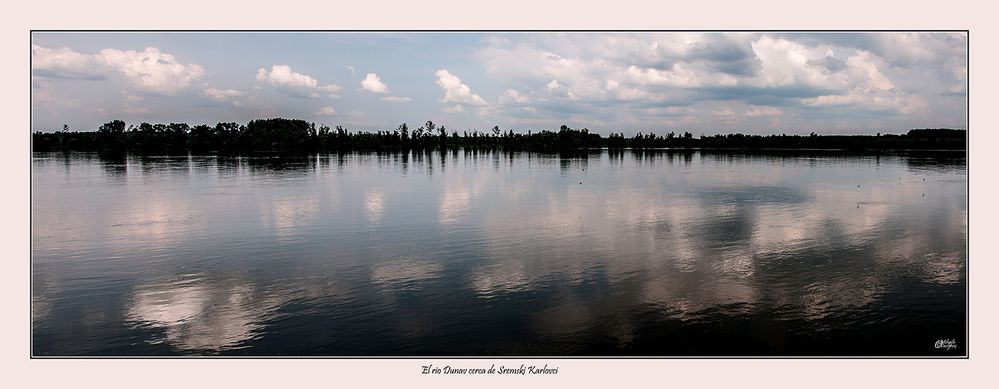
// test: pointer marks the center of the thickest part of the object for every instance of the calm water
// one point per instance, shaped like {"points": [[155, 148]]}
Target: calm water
{"points": [[465, 253]]}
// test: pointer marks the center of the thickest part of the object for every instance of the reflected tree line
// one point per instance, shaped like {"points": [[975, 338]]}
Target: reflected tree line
{"points": [[295, 135]]}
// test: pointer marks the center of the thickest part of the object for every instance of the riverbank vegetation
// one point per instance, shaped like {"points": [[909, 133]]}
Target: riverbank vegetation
{"points": [[299, 136]]}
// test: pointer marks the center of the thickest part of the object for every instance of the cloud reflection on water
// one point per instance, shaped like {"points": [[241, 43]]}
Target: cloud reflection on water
{"points": [[196, 315], [662, 235]]}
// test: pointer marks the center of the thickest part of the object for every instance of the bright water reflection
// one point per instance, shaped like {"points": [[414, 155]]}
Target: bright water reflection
{"points": [[476, 253]]}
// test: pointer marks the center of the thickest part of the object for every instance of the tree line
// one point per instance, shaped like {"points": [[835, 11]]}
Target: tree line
{"points": [[295, 135]]}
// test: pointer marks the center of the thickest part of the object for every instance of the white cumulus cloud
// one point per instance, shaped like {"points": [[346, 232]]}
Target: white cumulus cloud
{"points": [[456, 92], [149, 70], [294, 83], [374, 84], [65, 63], [326, 111]]}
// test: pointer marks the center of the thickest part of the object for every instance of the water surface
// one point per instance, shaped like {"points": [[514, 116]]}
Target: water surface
{"points": [[467, 253]]}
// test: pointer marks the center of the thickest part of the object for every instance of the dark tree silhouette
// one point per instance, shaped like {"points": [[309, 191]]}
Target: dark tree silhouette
{"points": [[299, 136]]}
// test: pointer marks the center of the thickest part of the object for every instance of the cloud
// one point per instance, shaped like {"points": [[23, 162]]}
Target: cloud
{"points": [[677, 75], [730, 54], [633, 71], [553, 85], [856, 81], [957, 69], [455, 91], [374, 84], [726, 115], [616, 68], [395, 99], [560, 90], [918, 49], [221, 95], [150, 71], [829, 63], [136, 110], [786, 63], [763, 112], [628, 81], [326, 111], [296, 84], [861, 100], [867, 88], [65, 63], [669, 111], [512, 96]]}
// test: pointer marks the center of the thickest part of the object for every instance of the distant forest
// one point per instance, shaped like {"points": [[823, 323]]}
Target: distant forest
{"points": [[299, 136]]}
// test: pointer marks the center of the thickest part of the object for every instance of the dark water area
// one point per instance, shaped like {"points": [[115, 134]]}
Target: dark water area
{"points": [[472, 253]]}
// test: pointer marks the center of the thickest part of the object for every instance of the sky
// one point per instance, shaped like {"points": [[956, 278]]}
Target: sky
{"points": [[705, 83]]}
